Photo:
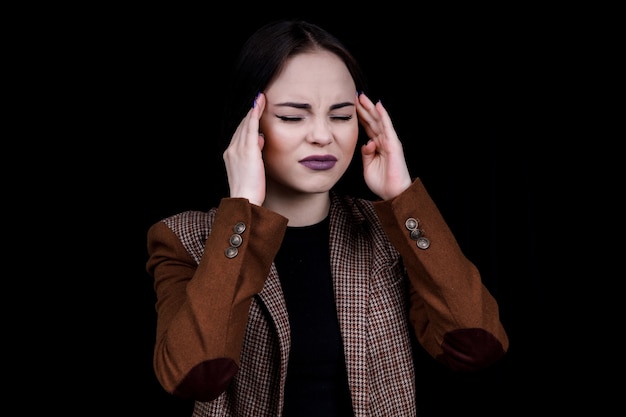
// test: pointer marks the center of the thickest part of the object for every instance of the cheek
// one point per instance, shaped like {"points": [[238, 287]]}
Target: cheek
{"points": [[349, 138], [263, 125], [277, 144]]}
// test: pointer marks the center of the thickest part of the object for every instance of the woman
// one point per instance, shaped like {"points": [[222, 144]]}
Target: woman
{"points": [[289, 298]]}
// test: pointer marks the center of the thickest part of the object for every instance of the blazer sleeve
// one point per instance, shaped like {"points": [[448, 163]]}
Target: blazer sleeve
{"points": [[454, 316], [202, 308]]}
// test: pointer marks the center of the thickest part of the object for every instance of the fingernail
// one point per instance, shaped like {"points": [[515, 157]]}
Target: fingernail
{"points": [[255, 97]]}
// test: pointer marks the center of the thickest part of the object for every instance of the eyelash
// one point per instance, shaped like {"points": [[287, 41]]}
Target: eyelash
{"points": [[297, 119]]}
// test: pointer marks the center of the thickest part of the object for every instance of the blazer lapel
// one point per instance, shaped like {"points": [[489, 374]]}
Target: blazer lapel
{"points": [[351, 272], [272, 298]]}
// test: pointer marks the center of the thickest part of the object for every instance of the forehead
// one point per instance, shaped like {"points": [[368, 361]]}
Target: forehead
{"points": [[316, 71]]}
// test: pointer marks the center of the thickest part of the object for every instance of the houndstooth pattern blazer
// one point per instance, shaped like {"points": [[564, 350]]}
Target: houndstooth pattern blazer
{"points": [[223, 333]]}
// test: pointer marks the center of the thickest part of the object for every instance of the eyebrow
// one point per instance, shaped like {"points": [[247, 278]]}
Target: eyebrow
{"points": [[306, 106]]}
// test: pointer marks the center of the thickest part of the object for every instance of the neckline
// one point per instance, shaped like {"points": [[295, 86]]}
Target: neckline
{"points": [[325, 222]]}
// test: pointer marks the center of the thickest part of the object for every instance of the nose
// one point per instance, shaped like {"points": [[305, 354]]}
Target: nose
{"points": [[321, 132]]}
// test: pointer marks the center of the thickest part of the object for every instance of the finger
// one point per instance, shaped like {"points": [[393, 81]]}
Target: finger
{"points": [[365, 101], [371, 115], [248, 129], [255, 117], [365, 109], [366, 118], [385, 119]]}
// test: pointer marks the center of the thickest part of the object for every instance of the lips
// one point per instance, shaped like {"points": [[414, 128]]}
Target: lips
{"points": [[319, 162]]}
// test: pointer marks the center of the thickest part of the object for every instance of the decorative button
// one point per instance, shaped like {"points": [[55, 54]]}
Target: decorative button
{"points": [[239, 228], [235, 240], [416, 233], [423, 243], [411, 223]]}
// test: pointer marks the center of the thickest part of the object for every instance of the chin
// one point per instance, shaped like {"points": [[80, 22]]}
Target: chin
{"points": [[317, 188]]}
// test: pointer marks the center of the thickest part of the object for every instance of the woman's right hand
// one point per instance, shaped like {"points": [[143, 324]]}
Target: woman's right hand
{"points": [[243, 157]]}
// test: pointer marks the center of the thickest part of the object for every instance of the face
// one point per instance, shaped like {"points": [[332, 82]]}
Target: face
{"points": [[309, 123]]}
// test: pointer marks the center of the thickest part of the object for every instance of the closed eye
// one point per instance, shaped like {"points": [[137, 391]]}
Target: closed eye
{"points": [[290, 118], [298, 118]]}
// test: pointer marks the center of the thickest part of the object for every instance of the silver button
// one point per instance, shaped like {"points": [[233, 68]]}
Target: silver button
{"points": [[235, 240], [423, 243], [411, 223], [231, 252], [416, 234], [239, 227]]}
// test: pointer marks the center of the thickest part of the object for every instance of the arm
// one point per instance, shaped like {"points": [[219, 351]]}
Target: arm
{"points": [[454, 316], [202, 309]]}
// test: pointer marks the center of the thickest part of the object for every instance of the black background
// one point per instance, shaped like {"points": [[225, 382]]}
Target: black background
{"points": [[472, 94]]}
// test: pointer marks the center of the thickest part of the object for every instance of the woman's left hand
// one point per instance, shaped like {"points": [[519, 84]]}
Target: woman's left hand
{"points": [[384, 166]]}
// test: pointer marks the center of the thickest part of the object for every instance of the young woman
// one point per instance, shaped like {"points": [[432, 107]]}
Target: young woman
{"points": [[289, 298]]}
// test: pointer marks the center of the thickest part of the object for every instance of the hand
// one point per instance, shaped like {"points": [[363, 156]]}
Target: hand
{"points": [[384, 166], [243, 158]]}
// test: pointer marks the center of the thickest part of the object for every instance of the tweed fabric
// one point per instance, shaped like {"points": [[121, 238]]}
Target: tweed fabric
{"points": [[223, 333], [371, 298]]}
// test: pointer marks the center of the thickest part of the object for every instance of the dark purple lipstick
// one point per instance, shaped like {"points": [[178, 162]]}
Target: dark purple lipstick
{"points": [[319, 162]]}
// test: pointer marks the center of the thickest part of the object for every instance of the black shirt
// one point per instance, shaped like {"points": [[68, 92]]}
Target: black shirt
{"points": [[317, 383]]}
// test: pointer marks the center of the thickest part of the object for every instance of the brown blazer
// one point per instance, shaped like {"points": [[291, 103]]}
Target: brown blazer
{"points": [[222, 334]]}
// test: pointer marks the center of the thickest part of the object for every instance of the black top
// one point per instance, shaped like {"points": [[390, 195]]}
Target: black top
{"points": [[317, 383]]}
